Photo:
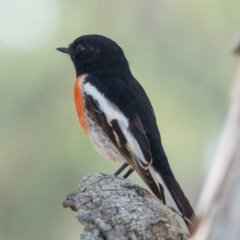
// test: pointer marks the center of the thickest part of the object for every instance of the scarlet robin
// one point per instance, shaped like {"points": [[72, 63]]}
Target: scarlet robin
{"points": [[117, 116]]}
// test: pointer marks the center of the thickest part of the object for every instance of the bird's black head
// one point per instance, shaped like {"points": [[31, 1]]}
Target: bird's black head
{"points": [[96, 54]]}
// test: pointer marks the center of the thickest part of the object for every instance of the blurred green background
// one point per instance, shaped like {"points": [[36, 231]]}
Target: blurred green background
{"points": [[178, 50]]}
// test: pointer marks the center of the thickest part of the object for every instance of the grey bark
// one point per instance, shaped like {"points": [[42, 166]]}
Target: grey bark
{"points": [[113, 208], [219, 204]]}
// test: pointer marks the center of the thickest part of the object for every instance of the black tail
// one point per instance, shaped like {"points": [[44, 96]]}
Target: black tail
{"points": [[178, 195], [162, 168]]}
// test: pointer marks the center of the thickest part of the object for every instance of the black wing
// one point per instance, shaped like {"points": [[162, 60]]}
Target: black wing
{"points": [[130, 140]]}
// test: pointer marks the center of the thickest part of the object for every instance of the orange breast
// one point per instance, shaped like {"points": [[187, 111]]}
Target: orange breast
{"points": [[79, 103]]}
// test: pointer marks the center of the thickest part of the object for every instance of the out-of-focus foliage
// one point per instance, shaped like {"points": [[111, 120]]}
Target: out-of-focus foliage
{"points": [[178, 50]]}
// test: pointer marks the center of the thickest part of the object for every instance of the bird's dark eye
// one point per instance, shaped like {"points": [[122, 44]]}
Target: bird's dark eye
{"points": [[80, 48]]}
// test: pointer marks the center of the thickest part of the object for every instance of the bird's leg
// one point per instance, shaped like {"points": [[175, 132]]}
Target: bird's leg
{"points": [[121, 169], [162, 193], [128, 173]]}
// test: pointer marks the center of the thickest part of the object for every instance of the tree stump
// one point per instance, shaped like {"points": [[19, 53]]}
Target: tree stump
{"points": [[113, 208]]}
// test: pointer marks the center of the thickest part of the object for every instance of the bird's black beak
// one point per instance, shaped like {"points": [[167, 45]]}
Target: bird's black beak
{"points": [[63, 49]]}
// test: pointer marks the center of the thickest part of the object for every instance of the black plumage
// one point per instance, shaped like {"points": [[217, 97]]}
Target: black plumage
{"points": [[103, 63]]}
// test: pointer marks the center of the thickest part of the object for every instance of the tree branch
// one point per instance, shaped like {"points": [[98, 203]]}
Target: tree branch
{"points": [[219, 204], [111, 207]]}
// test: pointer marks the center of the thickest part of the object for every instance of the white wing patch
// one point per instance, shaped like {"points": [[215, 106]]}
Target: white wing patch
{"points": [[117, 138], [112, 112]]}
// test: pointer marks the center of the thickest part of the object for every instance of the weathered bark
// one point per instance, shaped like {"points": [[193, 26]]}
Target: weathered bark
{"points": [[219, 204], [111, 207]]}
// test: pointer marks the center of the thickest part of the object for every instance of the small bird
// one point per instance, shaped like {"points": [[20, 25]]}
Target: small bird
{"points": [[117, 116]]}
